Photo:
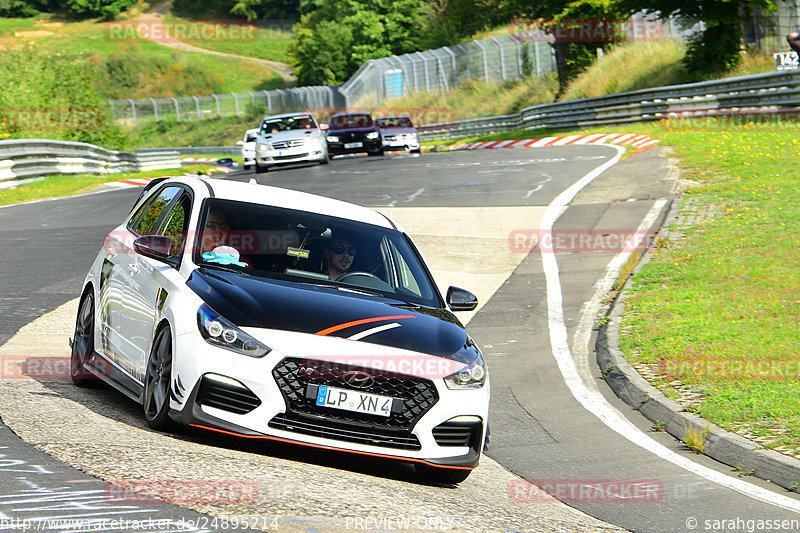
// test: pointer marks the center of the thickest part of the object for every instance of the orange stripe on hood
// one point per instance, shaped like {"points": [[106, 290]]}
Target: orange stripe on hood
{"points": [[346, 325]]}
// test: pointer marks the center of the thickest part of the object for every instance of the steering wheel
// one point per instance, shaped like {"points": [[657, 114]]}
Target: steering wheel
{"points": [[353, 274]]}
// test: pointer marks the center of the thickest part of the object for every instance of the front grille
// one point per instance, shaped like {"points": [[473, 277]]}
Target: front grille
{"points": [[416, 396], [457, 433], [331, 430], [293, 156], [291, 143], [389, 137], [234, 398]]}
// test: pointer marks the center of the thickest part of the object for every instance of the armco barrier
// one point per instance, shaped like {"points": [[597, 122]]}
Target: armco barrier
{"points": [[24, 158], [775, 92]]}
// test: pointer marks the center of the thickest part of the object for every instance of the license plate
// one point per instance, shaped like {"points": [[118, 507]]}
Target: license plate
{"points": [[353, 145], [352, 400]]}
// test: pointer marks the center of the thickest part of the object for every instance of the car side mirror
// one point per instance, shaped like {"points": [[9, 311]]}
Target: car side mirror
{"points": [[155, 247], [461, 300], [239, 143]]}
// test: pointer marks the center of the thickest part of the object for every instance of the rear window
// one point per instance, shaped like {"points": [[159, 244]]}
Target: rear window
{"points": [[340, 122]]}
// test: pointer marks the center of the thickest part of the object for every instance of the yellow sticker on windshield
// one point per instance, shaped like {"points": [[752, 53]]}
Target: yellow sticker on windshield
{"points": [[297, 252]]}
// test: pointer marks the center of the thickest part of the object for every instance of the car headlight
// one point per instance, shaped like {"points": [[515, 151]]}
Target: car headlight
{"points": [[218, 331], [333, 138], [263, 147], [472, 376], [372, 135]]}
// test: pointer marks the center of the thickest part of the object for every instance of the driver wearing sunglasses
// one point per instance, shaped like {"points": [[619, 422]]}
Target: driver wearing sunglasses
{"points": [[339, 257]]}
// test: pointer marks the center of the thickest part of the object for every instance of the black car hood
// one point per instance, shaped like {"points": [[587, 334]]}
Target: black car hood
{"points": [[250, 301], [351, 130]]}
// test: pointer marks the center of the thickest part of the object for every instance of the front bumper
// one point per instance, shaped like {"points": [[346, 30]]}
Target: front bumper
{"points": [[449, 432], [339, 148]]}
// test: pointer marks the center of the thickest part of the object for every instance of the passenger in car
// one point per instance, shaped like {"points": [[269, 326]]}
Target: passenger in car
{"points": [[216, 231], [339, 258], [215, 241]]}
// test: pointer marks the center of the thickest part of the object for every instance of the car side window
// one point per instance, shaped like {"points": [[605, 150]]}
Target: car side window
{"points": [[176, 223], [144, 222]]}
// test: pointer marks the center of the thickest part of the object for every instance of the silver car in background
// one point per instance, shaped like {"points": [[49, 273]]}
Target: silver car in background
{"points": [[398, 133], [248, 145], [290, 138]]}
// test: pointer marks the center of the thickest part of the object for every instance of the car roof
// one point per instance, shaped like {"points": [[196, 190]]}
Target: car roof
{"points": [[289, 199], [354, 113], [393, 116], [287, 115]]}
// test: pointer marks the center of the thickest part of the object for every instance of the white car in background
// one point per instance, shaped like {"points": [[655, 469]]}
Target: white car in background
{"points": [[398, 133], [248, 145], [290, 138]]}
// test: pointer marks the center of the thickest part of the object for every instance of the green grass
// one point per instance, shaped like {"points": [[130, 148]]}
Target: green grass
{"points": [[629, 67], [61, 185], [717, 309], [270, 43], [177, 73]]}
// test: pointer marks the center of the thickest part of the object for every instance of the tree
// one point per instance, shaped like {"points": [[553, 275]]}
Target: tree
{"points": [[715, 49], [335, 39]]}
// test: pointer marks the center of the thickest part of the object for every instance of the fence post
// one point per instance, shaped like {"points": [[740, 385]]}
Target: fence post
{"points": [[177, 109], [502, 57], [520, 74], [133, 110], [485, 62], [252, 97], [269, 102], [197, 107], [538, 63], [216, 99], [155, 109], [236, 103], [453, 58]]}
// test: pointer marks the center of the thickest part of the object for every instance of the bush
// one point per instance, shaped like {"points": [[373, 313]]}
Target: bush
{"points": [[53, 97]]}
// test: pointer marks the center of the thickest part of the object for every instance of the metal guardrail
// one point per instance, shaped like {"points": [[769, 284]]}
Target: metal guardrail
{"points": [[772, 92], [24, 158], [196, 150]]}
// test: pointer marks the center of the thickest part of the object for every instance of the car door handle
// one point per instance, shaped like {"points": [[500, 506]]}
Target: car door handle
{"points": [[134, 269]]}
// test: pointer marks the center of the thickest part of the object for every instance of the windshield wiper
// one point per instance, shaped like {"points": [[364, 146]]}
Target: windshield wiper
{"points": [[217, 266]]}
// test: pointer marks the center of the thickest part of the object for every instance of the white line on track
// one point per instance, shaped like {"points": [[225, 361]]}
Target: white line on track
{"points": [[580, 383]]}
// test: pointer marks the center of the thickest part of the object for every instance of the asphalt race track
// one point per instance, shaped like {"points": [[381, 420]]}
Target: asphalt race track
{"points": [[553, 420]]}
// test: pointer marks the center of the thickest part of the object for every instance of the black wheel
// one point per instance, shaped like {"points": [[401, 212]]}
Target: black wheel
{"points": [[417, 151], [325, 160], [261, 169], [451, 476], [83, 343], [157, 381]]}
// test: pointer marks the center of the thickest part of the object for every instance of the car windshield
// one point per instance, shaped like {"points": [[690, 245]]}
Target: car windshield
{"points": [[309, 248], [394, 122], [340, 122], [275, 125]]}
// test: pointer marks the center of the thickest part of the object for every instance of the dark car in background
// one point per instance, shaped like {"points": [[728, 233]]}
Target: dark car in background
{"points": [[398, 133], [352, 133]]}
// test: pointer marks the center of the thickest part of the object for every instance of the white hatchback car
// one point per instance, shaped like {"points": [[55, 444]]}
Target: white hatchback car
{"points": [[273, 314], [290, 138], [248, 145]]}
